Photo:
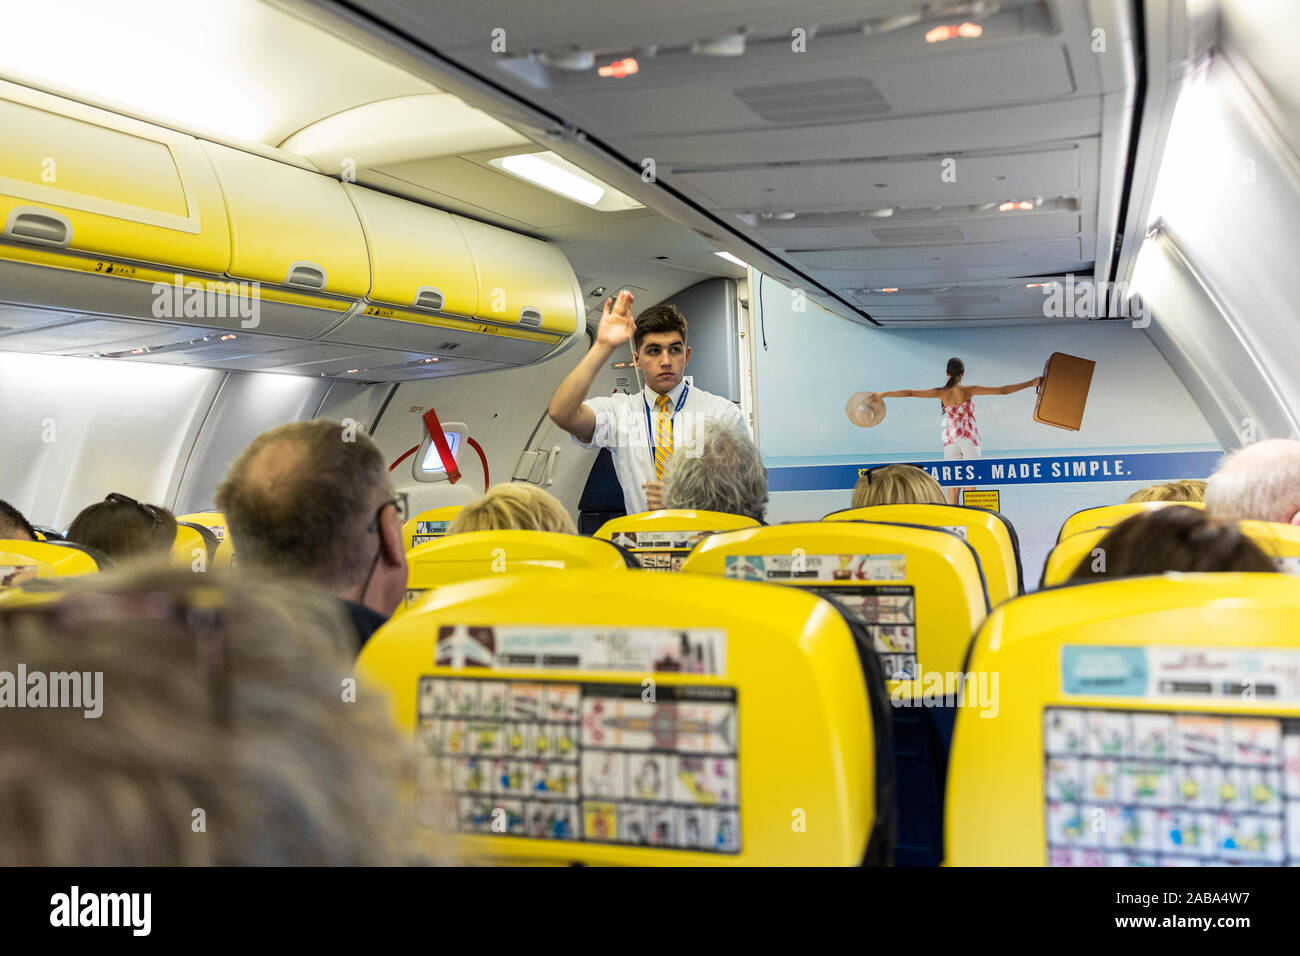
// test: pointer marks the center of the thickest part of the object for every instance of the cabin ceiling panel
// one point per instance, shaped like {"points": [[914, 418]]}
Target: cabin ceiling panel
{"points": [[866, 185]]}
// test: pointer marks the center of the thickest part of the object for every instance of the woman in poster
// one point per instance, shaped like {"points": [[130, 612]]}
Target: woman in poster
{"points": [[961, 437]]}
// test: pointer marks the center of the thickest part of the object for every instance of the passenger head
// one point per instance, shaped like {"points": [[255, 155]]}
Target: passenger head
{"points": [[515, 505], [13, 526], [722, 472], [1176, 538], [659, 347], [897, 485], [1188, 489], [215, 696], [955, 369], [314, 499], [124, 529], [1260, 482]]}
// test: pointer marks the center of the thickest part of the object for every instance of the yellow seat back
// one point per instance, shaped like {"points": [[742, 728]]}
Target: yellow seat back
{"points": [[428, 525], [190, 548], [225, 554], [478, 554], [1282, 541], [1065, 557], [662, 539], [990, 535], [1107, 516], [919, 591], [602, 717], [49, 558], [214, 521], [1140, 721]]}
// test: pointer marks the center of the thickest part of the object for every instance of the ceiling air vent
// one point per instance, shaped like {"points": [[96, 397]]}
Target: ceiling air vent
{"points": [[945, 233], [845, 99]]}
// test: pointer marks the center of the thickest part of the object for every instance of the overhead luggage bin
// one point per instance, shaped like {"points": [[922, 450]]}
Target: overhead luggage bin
{"points": [[290, 227], [418, 257], [79, 181], [450, 286], [521, 281]]}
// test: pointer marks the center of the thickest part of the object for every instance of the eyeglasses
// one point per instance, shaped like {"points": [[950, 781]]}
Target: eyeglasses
{"points": [[399, 502], [150, 510], [867, 474]]}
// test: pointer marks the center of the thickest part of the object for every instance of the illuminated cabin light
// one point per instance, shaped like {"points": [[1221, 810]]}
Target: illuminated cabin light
{"points": [[619, 68], [730, 258], [951, 31], [889, 290], [227, 338], [431, 358], [352, 371], [1039, 285], [1022, 204], [537, 170], [137, 351]]}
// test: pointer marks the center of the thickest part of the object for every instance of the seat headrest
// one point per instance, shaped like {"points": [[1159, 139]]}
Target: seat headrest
{"points": [[1139, 721], [662, 539], [605, 717]]}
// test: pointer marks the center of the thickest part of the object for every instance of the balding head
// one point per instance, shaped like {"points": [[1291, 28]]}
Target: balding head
{"points": [[301, 498], [1259, 482]]}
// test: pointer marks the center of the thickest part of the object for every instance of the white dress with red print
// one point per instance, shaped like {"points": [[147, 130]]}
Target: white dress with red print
{"points": [[961, 437]]}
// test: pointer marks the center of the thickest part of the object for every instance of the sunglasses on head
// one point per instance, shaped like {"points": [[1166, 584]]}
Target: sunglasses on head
{"points": [[150, 510]]}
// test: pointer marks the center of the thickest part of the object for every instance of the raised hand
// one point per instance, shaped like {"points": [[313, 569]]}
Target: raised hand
{"points": [[875, 398], [1038, 381], [617, 323], [654, 494]]}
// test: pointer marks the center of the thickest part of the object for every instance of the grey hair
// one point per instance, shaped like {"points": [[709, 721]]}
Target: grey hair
{"points": [[722, 472], [1259, 482]]}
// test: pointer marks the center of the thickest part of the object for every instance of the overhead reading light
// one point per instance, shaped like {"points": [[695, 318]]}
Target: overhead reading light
{"points": [[881, 213], [562, 177], [619, 68], [952, 31], [891, 289], [730, 45], [227, 338], [1021, 204], [730, 258]]}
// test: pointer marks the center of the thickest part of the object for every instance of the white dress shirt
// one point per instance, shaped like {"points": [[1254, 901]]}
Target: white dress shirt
{"points": [[621, 426]]}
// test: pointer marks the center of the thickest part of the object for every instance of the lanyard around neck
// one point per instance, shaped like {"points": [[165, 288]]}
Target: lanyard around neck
{"points": [[681, 400]]}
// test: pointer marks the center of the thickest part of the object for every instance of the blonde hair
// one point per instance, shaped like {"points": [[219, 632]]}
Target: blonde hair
{"points": [[897, 485], [217, 694], [517, 506], [1188, 489]]}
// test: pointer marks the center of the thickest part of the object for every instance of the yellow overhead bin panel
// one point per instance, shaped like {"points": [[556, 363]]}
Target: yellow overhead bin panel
{"points": [[522, 281], [290, 227], [418, 257], [88, 182]]}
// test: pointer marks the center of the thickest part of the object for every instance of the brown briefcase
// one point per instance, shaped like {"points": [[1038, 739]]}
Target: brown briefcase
{"points": [[1064, 391]]}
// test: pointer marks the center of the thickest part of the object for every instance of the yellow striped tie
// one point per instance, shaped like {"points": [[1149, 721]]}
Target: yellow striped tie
{"points": [[664, 438]]}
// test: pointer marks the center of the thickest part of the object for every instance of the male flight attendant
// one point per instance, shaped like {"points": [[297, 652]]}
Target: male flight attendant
{"points": [[642, 431]]}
